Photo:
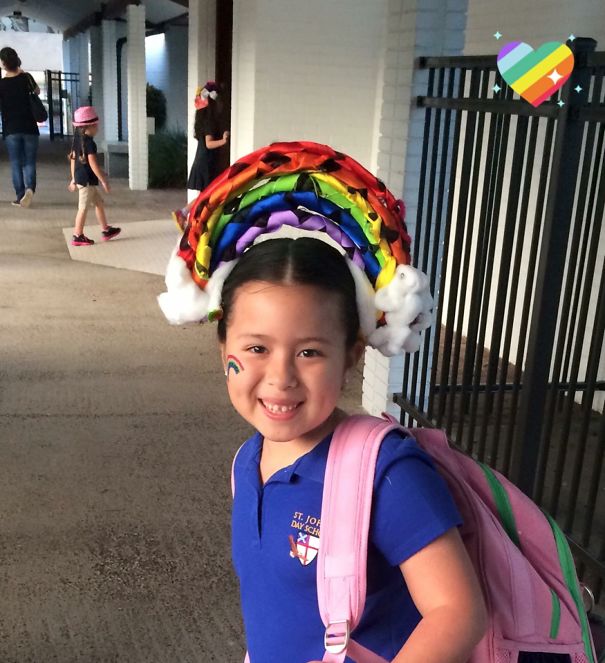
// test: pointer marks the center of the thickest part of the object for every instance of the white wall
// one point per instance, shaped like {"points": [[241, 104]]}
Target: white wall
{"points": [[315, 69], [414, 28], [533, 22], [176, 90], [38, 51], [243, 98]]}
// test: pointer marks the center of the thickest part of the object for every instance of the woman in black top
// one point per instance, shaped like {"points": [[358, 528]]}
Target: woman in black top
{"points": [[19, 128]]}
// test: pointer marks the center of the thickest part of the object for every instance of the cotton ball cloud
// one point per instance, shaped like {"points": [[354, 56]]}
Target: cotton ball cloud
{"points": [[184, 301], [407, 305]]}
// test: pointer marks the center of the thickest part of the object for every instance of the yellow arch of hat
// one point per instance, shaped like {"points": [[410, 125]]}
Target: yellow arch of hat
{"points": [[387, 261]]}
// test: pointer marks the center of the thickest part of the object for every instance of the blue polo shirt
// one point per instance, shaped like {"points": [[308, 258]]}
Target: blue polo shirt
{"points": [[276, 535]]}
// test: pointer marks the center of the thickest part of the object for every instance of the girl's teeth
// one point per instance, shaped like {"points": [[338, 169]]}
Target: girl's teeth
{"points": [[279, 409]]}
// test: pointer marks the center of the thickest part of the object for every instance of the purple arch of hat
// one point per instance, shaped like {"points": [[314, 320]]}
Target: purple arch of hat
{"points": [[309, 222], [256, 215]]}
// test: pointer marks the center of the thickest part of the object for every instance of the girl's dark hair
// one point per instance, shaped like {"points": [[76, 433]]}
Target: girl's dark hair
{"points": [[79, 138], [301, 261], [10, 58]]}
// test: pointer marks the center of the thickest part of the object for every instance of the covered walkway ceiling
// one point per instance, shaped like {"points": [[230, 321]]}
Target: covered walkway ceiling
{"points": [[72, 16]]}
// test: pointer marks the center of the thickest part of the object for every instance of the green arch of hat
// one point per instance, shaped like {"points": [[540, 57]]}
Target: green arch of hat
{"points": [[325, 186]]}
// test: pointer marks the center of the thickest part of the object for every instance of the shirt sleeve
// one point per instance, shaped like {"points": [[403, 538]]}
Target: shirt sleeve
{"points": [[90, 147], [412, 503]]}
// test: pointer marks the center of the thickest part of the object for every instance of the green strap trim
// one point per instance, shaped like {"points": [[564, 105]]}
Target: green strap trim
{"points": [[555, 621], [571, 580], [503, 505]]}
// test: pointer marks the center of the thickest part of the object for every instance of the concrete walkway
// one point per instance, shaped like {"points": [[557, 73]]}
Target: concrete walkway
{"points": [[116, 438]]}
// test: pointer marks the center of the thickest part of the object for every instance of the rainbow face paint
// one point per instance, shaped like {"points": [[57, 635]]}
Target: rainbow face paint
{"points": [[234, 364]]}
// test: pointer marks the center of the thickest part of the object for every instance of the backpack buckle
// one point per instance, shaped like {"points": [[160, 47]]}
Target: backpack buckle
{"points": [[337, 636]]}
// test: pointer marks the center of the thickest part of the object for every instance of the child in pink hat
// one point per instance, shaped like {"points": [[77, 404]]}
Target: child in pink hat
{"points": [[86, 174]]}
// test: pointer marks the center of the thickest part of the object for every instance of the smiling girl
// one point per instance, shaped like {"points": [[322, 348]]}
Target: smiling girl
{"points": [[294, 318], [290, 318]]}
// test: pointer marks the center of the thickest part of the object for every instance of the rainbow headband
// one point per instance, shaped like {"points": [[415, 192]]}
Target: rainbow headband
{"points": [[303, 188]]}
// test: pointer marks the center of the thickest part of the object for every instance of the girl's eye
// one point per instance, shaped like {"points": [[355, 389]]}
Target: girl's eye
{"points": [[309, 352], [256, 349]]}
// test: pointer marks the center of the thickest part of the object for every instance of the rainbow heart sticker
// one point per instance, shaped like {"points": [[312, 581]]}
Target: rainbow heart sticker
{"points": [[535, 75]]}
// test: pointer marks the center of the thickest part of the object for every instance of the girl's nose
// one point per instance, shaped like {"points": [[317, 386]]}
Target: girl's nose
{"points": [[281, 373]]}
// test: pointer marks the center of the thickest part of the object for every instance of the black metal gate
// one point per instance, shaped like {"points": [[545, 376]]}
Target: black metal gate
{"points": [[62, 95], [509, 228]]}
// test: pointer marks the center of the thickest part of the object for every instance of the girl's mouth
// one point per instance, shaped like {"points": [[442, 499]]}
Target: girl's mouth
{"points": [[279, 410]]}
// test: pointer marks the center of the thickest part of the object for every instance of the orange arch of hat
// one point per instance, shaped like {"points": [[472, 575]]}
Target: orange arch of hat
{"points": [[285, 158]]}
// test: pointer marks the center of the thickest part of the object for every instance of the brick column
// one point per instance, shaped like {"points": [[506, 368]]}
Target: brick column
{"points": [[109, 114], [137, 104], [96, 69], [201, 61], [414, 28]]}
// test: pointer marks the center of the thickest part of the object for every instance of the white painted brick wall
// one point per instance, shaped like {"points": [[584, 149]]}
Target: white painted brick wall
{"points": [[137, 112], [414, 28], [534, 23], [314, 67]]}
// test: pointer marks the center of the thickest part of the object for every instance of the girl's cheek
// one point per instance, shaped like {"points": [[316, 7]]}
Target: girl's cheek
{"points": [[235, 366]]}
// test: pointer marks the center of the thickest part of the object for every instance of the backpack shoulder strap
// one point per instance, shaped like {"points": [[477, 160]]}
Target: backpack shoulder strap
{"points": [[345, 522]]}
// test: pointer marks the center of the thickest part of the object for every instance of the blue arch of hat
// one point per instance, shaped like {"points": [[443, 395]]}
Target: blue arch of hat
{"points": [[249, 216]]}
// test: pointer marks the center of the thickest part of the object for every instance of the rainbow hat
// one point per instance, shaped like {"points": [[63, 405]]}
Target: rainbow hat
{"points": [[302, 188]]}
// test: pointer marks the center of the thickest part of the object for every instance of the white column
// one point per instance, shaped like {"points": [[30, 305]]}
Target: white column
{"points": [[68, 55], [137, 103], [414, 28], [83, 68], [96, 69], [201, 63], [109, 113], [243, 98]]}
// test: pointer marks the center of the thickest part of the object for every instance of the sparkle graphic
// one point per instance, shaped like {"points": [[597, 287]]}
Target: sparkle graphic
{"points": [[555, 77], [496, 88], [571, 37], [498, 34], [578, 88], [560, 103]]}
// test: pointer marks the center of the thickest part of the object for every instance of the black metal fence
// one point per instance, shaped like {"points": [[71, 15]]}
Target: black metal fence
{"points": [[62, 97], [509, 228]]}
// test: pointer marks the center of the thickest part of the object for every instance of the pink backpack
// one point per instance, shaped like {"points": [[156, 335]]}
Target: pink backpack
{"points": [[520, 555]]}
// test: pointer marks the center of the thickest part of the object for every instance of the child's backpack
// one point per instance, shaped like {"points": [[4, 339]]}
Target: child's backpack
{"points": [[520, 555]]}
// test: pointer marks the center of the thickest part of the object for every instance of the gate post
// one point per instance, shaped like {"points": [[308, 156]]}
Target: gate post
{"points": [[49, 99], [549, 279]]}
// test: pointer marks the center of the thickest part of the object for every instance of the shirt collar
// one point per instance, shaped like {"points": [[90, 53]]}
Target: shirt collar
{"points": [[311, 465]]}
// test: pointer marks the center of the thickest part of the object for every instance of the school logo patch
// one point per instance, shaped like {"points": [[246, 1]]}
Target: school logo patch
{"points": [[304, 543], [305, 549]]}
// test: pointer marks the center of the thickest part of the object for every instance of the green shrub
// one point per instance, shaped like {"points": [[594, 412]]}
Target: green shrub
{"points": [[168, 160], [156, 106]]}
